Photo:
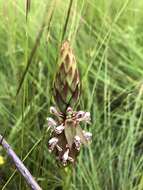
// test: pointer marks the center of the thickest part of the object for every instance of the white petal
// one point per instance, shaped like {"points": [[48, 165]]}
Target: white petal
{"points": [[65, 157], [53, 140], [66, 154], [59, 129], [83, 116], [53, 110], [51, 122], [77, 138], [80, 114], [87, 135], [77, 142], [52, 143], [69, 109], [87, 115]]}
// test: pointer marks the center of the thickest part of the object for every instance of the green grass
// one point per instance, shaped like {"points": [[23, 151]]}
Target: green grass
{"points": [[107, 38]]}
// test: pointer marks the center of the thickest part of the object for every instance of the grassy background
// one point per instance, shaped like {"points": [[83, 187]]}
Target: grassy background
{"points": [[107, 38]]}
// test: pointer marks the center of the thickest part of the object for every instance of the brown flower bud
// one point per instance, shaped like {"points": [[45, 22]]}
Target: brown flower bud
{"points": [[67, 84]]}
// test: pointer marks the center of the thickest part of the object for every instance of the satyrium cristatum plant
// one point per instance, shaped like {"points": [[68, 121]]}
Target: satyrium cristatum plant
{"points": [[67, 136]]}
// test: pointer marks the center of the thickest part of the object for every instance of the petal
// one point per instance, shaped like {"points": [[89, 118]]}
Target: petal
{"points": [[65, 157], [87, 135], [51, 122], [59, 129], [53, 140]]}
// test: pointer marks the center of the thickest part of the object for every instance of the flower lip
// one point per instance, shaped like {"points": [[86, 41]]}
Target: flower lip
{"points": [[52, 143], [77, 142], [65, 157], [87, 135], [53, 140], [77, 138], [87, 117], [51, 122], [80, 114], [55, 112], [83, 116], [59, 129], [69, 110]]}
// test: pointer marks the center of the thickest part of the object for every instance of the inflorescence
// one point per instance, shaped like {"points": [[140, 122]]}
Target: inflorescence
{"points": [[67, 135]]}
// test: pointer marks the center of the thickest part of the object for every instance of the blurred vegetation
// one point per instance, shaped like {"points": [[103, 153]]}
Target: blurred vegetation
{"points": [[107, 38]]}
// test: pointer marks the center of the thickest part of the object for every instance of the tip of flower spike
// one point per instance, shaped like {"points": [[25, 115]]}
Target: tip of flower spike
{"points": [[66, 90]]}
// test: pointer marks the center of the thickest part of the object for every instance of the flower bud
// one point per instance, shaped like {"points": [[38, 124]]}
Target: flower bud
{"points": [[69, 111], [67, 84]]}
